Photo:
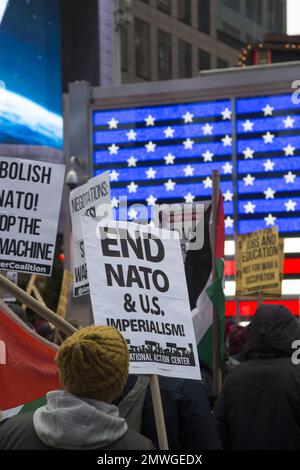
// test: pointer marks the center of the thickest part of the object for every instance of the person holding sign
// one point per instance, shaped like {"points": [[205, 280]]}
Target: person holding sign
{"points": [[93, 365], [259, 406]]}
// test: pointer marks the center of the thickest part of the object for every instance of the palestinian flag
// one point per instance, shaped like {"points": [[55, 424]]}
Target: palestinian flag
{"points": [[203, 293], [27, 367]]}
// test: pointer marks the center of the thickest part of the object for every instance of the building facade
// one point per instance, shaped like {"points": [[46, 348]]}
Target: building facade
{"points": [[171, 39]]}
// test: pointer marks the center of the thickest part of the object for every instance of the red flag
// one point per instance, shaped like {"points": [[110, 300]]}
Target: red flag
{"points": [[27, 367]]}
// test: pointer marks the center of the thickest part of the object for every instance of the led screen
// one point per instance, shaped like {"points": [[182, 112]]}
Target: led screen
{"points": [[30, 73], [167, 153]]}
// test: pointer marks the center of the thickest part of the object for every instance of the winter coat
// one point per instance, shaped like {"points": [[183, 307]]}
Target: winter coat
{"points": [[259, 406], [189, 422], [69, 422]]}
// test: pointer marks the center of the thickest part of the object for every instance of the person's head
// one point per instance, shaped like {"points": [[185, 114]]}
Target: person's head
{"points": [[237, 339], [272, 332], [43, 329], [93, 363]]}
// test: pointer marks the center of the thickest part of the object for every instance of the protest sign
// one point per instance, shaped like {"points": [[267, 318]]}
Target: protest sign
{"points": [[86, 201], [138, 286], [259, 263], [13, 277], [30, 198], [186, 219]]}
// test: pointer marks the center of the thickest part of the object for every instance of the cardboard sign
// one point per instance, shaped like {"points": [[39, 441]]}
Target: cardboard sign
{"points": [[64, 293], [30, 197], [138, 286], [259, 263], [85, 201]]}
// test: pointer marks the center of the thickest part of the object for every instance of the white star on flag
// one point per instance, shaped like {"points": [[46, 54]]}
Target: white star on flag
{"points": [[189, 198], [269, 193], [150, 120], [151, 173], [151, 200], [268, 110], [188, 144], [268, 138], [227, 168], [169, 132], [249, 180], [270, 220], [289, 150], [227, 141], [188, 117], [248, 125], [114, 202], [290, 177], [113, 149], [249, 207], [226, 114], [290, 205], [228, 222], [132, 161], [113, 123], [132, 187], [207, 129], [208, 156], [288, 122], [189, 170], [169, 159], [269, 165], [131, 135], [207, 182], [170, 185], [150, 147], [114, 175], [132, 213], [228, 196], [248, 153]]}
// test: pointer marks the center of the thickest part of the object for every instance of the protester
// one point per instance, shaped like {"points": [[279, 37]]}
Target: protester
{"points": [[93, 365], [43, 329], [189, 422], [236, 340], [259, 406]]}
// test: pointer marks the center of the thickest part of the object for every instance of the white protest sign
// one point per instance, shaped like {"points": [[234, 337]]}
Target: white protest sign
{"points": [[30, 197], [86, 201], [138, 286]]}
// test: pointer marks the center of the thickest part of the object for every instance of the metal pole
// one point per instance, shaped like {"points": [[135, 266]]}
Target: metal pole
{"points": [[217, 378]]}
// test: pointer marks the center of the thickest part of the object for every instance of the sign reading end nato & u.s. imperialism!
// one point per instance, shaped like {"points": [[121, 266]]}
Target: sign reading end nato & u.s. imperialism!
{"points": [[138, 286]]}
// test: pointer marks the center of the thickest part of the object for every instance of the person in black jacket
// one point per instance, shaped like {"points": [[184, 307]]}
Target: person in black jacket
{"points": [[259, 406], [93, 365], [189, 422]]}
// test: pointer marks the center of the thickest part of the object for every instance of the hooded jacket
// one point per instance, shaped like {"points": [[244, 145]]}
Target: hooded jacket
{"points": [[259, 406], [70, 422]]}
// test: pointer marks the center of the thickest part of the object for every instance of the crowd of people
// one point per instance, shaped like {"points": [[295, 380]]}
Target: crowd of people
{"points": [[100, 407]]}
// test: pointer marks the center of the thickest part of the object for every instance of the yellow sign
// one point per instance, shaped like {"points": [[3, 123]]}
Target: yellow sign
{"points": [[64, 293], [259, 263]]}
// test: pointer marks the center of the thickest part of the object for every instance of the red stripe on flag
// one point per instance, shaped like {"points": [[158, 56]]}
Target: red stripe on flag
{"points": [[247, 308], [29, 370]]}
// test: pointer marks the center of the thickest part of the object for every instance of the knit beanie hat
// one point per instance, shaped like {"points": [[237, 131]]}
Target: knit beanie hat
{"points": [[93, 363]]}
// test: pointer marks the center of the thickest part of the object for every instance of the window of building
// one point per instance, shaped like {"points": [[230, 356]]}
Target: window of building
{"points": [[142, 49], [222, 64], [124, 48], [164, 5], [164, 55], [254, 10], [231, 30], [184, 59], [184, 11], [204, 60], [233, 4], [275, 16], [204, 16]]}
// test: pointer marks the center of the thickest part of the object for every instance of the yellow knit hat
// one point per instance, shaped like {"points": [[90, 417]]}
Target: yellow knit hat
{"points": [[93, 363]]}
